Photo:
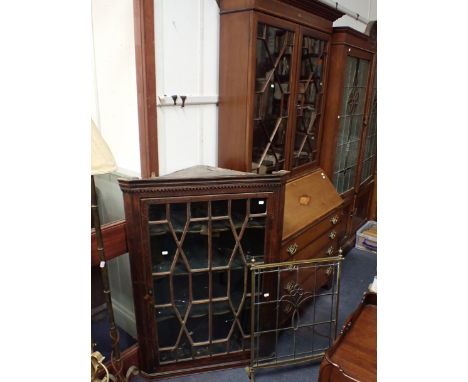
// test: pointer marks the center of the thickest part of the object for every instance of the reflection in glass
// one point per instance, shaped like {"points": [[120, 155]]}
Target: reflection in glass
{"points": [[351, 119], [253, 240], [309, 101], [272, 90], [157, 212], [370, 148], [168, 326], [195, 245], [163, 247], [197, 324]]}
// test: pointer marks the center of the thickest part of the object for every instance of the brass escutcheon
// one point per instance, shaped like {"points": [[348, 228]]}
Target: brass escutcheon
{"points": [[292, 249]]}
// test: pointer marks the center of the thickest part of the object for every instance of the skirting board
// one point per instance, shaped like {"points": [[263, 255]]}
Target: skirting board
{"points": [[125, 318]]}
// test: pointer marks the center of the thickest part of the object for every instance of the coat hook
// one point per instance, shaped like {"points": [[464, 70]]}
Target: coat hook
{"points": [[183, 98], [174, 98]]}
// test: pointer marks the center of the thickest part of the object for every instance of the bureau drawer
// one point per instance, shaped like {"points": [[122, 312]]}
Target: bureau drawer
{"points": [[314, 250], [294, 248], [327, 225]]}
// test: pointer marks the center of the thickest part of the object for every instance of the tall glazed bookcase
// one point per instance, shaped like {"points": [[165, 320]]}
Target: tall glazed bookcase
{"points": [[350, 138], [273, 76], [191, 235]]}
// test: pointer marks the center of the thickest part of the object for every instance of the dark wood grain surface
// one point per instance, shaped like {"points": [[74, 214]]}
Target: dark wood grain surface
{"points": [[353, 356], [146, 85], [115, 241]]}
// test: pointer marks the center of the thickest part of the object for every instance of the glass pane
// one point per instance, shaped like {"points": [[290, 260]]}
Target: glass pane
{"points": [[168, 326], [350, 126], [219, 208], [258, 206], [161, 290], [178, 217], [238, 286], [370, 148], [199, 209], [309, 101], [225, 231], [253, 240], [223, 319], [238, 212], [195, 245], [220, 282], [163, 247], [180, 280], [200, 286], [223, 245], [157, 212], [197, 323], [235, 342], [272, 90], [184, 350], [109, 197]]}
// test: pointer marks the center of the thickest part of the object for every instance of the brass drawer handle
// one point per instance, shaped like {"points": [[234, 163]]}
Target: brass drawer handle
{"points": [[334, 220], [330, 251], [332, 235], [292, 249]]}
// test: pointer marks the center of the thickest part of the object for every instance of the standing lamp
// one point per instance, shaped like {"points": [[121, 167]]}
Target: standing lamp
{"points": [[103, 162]]}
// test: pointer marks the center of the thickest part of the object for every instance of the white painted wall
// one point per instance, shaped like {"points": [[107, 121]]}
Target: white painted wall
{"points": [[187, 50], [115, 81], [365, 8]]}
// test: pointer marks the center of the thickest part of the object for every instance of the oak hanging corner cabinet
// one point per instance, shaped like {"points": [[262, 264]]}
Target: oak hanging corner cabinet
{"points": [[273, 80], [191, 234], [349, 146]]}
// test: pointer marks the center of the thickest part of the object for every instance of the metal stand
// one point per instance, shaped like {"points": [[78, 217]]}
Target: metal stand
{"points": [[116, 361]]}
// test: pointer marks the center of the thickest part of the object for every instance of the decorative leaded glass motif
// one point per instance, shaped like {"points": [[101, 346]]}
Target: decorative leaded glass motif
{"points": [[370, 148], [199, 253], [309, 101], [272, 90], [351, 118]]}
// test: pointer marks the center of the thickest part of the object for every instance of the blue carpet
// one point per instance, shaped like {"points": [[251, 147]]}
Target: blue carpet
{"points": [[100, 336], [359, 269]]}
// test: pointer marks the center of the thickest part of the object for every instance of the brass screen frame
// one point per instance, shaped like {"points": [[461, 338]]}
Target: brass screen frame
{"points": [[257, 269]]}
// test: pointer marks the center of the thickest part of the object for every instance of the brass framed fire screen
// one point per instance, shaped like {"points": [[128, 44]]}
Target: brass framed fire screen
{"points": [[294, 312]]}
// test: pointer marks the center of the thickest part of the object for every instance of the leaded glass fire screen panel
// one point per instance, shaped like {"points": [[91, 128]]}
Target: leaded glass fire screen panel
{"points": [[350, 127], [272, 92], [309, 101], [295, 311], [199, 251], [370, 148]]}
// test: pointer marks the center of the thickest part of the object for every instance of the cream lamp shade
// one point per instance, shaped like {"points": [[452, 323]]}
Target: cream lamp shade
{"points": [[102, 160]]}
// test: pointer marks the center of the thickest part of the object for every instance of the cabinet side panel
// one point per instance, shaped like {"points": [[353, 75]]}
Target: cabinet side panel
{"points": [[144, 322], [337, 62], [234, 66]]}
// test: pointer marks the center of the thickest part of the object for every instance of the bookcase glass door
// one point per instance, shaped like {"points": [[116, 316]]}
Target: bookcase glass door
{"points": [[274, 51], [309, 101], [370, 144], [199, 251], [350, 126]]}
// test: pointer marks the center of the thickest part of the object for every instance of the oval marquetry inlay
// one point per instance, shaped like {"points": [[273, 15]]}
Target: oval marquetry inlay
{"points": [[304, 200]]}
